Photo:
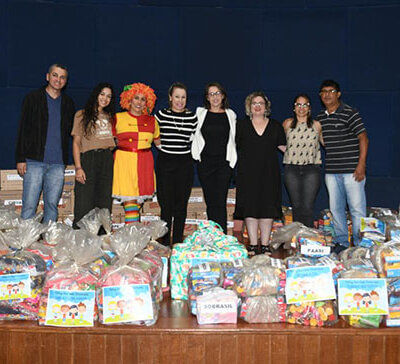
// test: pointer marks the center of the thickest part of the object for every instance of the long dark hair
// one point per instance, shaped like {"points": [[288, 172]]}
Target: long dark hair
{"points": [[225, 102], [90, 113], [309, 117]]}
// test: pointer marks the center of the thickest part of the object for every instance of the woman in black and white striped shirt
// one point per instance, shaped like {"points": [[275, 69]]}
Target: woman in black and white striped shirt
{"points": [[174, 169]]}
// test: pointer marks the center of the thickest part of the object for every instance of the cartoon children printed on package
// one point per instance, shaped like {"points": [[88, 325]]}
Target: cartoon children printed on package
{"points": [[127, 303], [64, 312], [369, 296], [375, 298], [121, 305], [348, 300], [366, 300], [357, 297], [305, 284], [73, 311], [81, 310], [15, 286], [56, 311], [112, 308], [70, 308]]}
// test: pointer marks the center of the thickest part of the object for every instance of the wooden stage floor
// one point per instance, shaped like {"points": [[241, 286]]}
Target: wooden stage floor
{"points": [[177, 338]]}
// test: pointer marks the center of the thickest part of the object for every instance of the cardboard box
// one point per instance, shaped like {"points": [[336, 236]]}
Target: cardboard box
{"points": [[11, 181], [117, 208], [196, 196], [69, 178], [65, 204], [197, 207], [231, 199], [152, 208]]}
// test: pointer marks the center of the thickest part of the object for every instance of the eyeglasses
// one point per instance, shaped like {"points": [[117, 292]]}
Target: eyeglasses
{"points": [[326, 92], [216, 93], [260, 103], [302, 106]]}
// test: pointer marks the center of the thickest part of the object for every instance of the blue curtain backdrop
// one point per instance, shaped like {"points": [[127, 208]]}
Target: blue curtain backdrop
{"points": [[280, 46]]}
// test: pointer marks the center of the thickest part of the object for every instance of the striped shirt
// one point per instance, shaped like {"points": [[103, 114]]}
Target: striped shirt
{"points": [[340, 130], [176, 130]]}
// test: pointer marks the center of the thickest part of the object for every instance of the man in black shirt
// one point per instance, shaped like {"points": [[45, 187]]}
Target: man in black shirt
{"points": [[42, 144]]}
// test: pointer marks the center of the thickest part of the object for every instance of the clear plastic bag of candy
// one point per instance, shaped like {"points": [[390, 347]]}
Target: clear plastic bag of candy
{"points": [[22, 273], [202, 277], [257, 280], [8, 217], [361, 321], [94, 219], [69, 289], [354, 252], [158, 229], [151, 263], [386, 259], [44, 251], [217, 306], [285, 235], [164, 253], [125, 293], [55, 232], [263, 309], [319, 313], [25, 234], [230, 269]]}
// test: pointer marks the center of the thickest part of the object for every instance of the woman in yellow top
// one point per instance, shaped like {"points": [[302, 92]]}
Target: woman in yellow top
{"points": [[135, 130]]}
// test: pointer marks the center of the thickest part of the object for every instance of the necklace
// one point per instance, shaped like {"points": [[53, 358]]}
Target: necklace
{"points": [[179, 123]]}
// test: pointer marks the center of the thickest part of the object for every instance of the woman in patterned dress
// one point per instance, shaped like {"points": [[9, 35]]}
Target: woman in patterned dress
{"points": [[302, 160], [135, 130]]}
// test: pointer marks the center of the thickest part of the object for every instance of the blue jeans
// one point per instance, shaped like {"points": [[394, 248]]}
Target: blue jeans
{"points": [[342, 189], [42, 176]]}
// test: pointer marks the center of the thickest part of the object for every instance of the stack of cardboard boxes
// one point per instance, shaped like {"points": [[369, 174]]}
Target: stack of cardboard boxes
{"points": [[11, 192]]}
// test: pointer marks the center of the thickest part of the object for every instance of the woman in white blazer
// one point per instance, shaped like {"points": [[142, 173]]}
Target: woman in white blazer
{"points": [[214, 149]]}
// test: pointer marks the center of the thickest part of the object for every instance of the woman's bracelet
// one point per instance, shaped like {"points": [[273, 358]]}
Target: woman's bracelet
{"points": [[77, 169]]}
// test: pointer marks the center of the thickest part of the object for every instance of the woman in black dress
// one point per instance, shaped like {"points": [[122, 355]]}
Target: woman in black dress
{"points": [[258, 193]]}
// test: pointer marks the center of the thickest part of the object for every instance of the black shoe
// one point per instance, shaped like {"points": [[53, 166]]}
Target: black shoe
{"points": [[265, 249], [339, 248], [252, 250]]}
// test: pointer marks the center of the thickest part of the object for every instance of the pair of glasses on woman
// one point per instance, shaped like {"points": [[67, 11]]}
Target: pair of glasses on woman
{"points": [[302, 106]]}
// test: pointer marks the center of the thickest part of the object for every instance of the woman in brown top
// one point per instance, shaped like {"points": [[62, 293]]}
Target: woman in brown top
{"points": [[92, 147], [302, 160]]}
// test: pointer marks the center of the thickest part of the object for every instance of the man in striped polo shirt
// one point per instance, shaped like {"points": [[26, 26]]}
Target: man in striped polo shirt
{"points": [[346, 145]]}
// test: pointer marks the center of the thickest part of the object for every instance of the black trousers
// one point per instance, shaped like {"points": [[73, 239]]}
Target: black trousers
{"points": [[96, 191], [302, 184], [215, 175], [174, 176]]}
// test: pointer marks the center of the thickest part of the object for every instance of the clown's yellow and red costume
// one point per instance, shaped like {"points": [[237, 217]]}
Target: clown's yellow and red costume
{"points": [[134, 177]]}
